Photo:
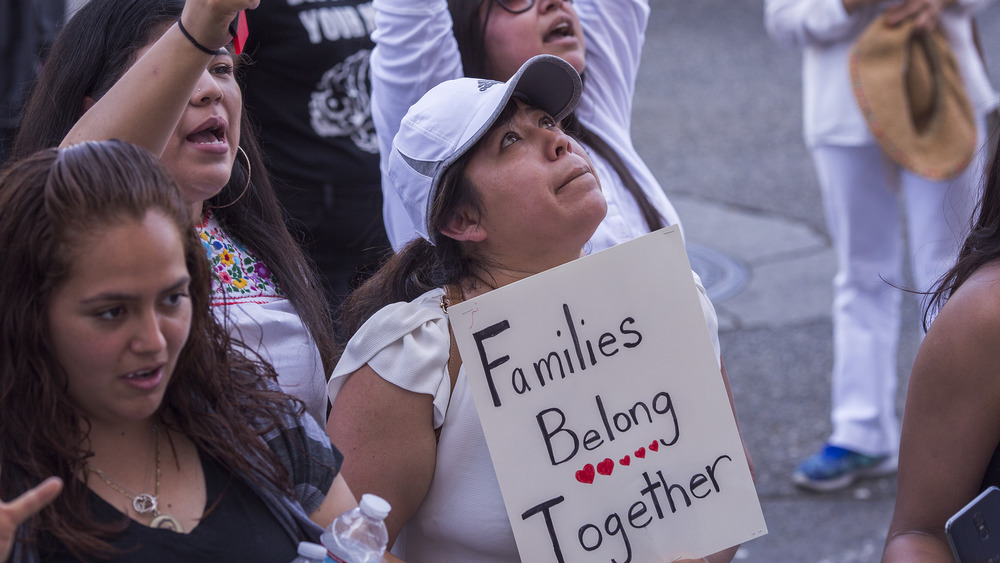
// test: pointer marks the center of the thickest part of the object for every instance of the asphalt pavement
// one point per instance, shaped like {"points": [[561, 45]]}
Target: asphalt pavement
{"points": [[718, 117]]}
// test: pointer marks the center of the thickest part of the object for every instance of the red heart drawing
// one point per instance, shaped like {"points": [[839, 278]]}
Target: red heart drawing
{"points": [[654, 445], [606, 466], [625, 460], [586, 475], [640, 453]]}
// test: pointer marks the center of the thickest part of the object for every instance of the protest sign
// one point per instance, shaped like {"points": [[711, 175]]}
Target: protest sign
{"points": [[606, 416]]}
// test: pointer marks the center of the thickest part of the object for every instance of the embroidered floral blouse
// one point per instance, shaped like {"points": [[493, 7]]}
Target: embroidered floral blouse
{"points": [[248, 302], [239, 276]]}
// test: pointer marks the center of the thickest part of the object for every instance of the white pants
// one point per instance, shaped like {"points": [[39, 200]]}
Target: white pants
{"points": [[860, 188]]}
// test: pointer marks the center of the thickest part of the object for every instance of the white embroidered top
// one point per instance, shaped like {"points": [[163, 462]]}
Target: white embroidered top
{"points": [[249, 303]]}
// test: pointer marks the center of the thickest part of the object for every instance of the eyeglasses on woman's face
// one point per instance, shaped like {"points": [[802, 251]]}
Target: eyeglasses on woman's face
{"points": [[517, 6]]}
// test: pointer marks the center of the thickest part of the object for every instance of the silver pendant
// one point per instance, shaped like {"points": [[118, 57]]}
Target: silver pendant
{"points": [[167, 522], [144, 503]]}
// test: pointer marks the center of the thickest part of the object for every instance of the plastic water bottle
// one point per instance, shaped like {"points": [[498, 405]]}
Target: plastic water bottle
{"points": [[358, 535], [310, 553]]}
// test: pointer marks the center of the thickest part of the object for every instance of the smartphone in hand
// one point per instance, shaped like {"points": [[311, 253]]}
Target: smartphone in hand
{"points": [[974, 531]]}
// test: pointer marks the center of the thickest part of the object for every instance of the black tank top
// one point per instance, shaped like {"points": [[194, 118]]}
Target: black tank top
{"points": [[239, 529], [992, 475]]}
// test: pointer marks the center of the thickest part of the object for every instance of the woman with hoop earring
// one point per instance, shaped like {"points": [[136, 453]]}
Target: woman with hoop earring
{"points": [[161, 74]]}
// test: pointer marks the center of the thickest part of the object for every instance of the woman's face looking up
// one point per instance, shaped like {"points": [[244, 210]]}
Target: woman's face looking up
{"points": [[548, 27], [537, 186]]}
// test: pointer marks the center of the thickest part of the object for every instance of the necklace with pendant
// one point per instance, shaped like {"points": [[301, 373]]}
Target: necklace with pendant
{"points": [[145, 503]]}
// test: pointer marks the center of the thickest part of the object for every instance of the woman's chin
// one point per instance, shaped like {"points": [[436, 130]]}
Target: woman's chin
{"points": [[202, 193]]}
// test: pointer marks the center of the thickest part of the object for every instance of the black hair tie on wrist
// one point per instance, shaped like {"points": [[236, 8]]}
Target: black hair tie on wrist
{"points": [[200, 47]]}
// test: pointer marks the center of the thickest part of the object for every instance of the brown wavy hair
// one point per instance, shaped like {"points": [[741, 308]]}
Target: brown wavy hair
{"points": [[91, 52], [218, 398]]}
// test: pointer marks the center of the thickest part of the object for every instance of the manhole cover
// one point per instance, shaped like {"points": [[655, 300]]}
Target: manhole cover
{"points": [[722, 275]]}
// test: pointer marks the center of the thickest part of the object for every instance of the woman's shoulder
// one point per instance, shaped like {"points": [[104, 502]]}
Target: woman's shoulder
{"points": [[426, 303], [407, 328], [964, 333], [403, 317], [976, 303], [406, 343]]}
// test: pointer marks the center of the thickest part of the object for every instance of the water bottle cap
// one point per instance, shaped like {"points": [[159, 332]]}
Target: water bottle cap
{"points": [[375, 506], [312, 550]]}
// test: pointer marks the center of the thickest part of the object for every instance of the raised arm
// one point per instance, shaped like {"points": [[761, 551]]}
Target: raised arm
{"points": [[415, 50], [615, 32], [144, 106]]}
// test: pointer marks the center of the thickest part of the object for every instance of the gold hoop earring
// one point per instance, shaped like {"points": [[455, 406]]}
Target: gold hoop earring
{"points": [[245, 188]]}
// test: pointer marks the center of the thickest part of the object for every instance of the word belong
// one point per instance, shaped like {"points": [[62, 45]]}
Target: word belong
{"points": [[563, 443]]}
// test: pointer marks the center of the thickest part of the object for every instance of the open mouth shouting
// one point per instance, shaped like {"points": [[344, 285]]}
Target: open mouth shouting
{"points": [[562, 29], [210, 135]]}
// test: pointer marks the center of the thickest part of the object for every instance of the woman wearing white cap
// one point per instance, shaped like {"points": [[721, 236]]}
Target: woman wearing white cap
{"points": [[870, 153], [418, 47], [498, 192]]}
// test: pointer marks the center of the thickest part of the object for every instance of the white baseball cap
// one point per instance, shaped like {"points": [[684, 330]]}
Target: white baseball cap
{"points": [[451, 117]]}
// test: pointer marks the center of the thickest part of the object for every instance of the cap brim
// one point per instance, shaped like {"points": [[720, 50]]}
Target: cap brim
{"points": [[549, 83]]}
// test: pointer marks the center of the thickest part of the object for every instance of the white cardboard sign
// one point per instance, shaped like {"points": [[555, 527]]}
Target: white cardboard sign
{"points": [[604, 410]]}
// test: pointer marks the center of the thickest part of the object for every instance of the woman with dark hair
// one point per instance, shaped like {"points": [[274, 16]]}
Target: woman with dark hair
{"points": [[419, 46], [499, 192], [124, 69], [116, 379], [951, 424]]}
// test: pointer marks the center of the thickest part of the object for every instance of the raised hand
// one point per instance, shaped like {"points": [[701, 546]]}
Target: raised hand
{"points": [[13, 513], [208, 20]]}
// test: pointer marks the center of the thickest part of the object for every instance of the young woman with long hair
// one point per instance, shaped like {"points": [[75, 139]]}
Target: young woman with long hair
{"points": [[117, 380]]}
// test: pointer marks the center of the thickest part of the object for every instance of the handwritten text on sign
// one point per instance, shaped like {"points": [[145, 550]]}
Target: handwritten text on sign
{"points": [[607, 419]]}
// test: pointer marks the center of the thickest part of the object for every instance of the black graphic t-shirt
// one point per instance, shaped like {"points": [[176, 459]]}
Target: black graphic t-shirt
{"points": [[307, 87]]}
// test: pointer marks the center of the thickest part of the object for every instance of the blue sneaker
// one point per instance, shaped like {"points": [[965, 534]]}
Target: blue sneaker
{"points": [[835, 468]]}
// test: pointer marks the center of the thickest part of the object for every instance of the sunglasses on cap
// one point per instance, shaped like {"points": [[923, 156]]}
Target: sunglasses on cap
{"points": [[516, 6]]}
